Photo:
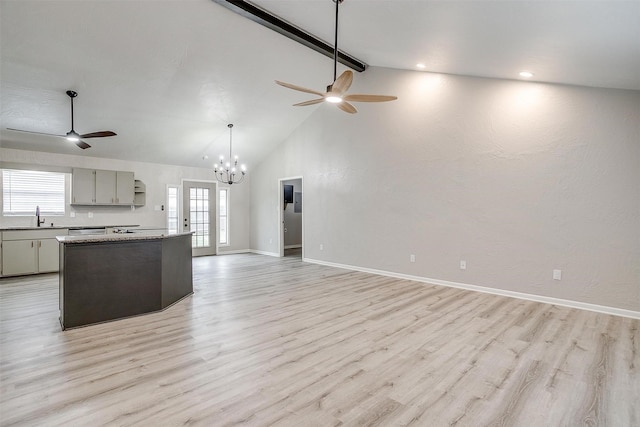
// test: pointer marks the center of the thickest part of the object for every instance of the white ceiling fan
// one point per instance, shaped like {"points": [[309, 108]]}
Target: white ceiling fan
{"points": [[336, 91]]}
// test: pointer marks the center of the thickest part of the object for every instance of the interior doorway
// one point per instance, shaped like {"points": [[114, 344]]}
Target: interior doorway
{"points": [[291, 217], [199, 215]]}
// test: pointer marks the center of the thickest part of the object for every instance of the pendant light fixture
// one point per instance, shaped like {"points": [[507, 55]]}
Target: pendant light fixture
{"points": [[228, 172]]}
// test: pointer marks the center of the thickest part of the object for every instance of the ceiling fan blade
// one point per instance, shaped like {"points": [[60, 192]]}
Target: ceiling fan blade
{"points": [[100, 134], [39, 133], [343, 82], [299, 88], [345, 106], [82, 145], [369, 98], [313, 101]]}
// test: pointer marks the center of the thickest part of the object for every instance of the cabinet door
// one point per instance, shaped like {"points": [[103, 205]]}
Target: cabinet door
{"points": [[18, 257], [105, 187], [48, 255], [124, 187], [83, 186]]}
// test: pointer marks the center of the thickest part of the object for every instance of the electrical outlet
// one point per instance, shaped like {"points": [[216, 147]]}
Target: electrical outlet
{"points": [[321, 247], [463, 265], [90, 214], [412, 258], [270, 241], [72, 214], [557, 274]]}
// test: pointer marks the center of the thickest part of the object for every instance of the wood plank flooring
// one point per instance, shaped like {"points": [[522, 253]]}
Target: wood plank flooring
{"points": [[278, 342]]}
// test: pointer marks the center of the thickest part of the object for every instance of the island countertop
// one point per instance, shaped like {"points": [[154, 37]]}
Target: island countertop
{"points": [[116, 237]]}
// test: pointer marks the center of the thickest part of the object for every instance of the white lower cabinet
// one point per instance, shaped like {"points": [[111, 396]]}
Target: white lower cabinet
{"points": [[18, 257], [48, 255], [30, 251]]}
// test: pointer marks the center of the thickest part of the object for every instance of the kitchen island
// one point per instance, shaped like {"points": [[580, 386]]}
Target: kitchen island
{"points": [[34, 250], [109, 277]]}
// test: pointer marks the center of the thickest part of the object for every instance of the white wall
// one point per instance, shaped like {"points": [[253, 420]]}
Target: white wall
{"points": [[516, 178], [155, 176]]}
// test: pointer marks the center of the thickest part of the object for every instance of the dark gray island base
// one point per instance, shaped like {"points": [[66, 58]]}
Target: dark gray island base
{"points": [[111, 277]]}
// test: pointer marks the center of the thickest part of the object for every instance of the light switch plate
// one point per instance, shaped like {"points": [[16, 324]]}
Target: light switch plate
{"points": [[557, 274]]}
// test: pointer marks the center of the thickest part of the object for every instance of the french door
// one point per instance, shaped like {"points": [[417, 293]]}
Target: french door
{"points": [[199, 215]]}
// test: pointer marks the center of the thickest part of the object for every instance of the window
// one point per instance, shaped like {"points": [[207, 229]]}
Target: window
{"points": [[24, 190], [199, 211], [172, 209], [224, 216]]}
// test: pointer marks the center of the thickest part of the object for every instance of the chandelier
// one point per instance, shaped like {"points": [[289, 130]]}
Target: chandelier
{"points": [[226, 172]]}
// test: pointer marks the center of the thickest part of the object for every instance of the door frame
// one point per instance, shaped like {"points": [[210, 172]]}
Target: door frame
{"points": [[215, 214], [281, 213]]}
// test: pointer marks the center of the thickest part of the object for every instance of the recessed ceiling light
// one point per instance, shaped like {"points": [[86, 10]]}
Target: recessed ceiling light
{"points": [[421, 66], [526, 74]]}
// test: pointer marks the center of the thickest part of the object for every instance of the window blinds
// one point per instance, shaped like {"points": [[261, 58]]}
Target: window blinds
{"points": [[23, 190]]}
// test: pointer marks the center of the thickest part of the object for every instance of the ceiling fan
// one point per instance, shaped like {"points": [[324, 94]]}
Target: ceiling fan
{"points": [[336, 91], [72, 135]]}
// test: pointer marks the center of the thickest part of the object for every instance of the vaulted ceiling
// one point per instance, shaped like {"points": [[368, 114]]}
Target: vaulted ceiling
{"points": [[168, 76]]}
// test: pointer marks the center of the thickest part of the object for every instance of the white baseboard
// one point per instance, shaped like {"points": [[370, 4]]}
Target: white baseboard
{"points": [[237, 251], [255, 251], [293, 246], [520, 295]]}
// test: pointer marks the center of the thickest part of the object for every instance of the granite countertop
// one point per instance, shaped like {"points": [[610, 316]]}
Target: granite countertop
{"points": [[64, 227], [99, 238]]}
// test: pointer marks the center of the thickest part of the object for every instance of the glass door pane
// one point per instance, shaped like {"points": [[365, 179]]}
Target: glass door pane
{"points": [[199, 216]]}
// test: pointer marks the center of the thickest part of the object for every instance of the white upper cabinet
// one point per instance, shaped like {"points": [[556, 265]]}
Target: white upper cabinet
{"points": [[83, 187], [125, 184], [102, 187], [105, 187]]}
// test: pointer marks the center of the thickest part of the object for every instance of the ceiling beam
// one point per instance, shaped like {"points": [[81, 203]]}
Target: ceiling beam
{"points": [[274, 22]]}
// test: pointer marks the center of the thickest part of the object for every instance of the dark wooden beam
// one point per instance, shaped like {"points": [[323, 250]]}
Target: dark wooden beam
{"points": [[274, 22]]}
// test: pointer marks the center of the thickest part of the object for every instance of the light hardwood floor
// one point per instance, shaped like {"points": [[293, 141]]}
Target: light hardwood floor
{"points": [[268, 341]]}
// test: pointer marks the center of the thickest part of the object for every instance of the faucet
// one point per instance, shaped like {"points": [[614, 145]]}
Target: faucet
{"points": [[38, 221]]}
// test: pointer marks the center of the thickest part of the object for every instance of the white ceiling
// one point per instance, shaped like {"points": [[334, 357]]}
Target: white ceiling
{"points": [[168, 76]]}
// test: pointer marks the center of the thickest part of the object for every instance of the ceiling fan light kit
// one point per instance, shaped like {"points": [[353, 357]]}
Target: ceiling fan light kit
{"points": [[336, 91], [72, 135], [226, 172]]}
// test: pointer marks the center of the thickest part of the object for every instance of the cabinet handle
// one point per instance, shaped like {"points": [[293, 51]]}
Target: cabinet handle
{"points": [[39, 243], [32, 243]]}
